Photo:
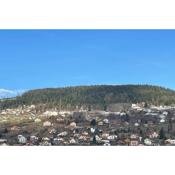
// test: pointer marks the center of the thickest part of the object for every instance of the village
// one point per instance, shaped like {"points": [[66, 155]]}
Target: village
{"points": [[137, 126]]}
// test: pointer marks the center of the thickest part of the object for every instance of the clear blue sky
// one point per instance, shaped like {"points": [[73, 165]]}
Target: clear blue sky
{"points": [[32, 59]]}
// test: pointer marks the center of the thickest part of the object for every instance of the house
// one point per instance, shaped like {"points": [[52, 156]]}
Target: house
{"points": [[85, 133], [105, 141], [65, 113], [127, 141], [63, 134], [4, 144], [107, 144], [112, 137], [3, 113], [170, 141], [162, 121], [100, 123], [46, 139], [92, 130], [153, 135], [106, 121], [98, 139], [37, 120], [134, 136], [162, 116], [47, 124], [22, 139], [72, 141], [105, 135], [122, 114], [136, 107], [33, 138], [15, 128], [148, 142], [57, 141], [173, 142], [50, 113], [60, 120], [165, 113], [73, 125], [134, 140], [134, 143], [45, 143], [136, 124], [52, 131], [82, 138], [3, 141]]}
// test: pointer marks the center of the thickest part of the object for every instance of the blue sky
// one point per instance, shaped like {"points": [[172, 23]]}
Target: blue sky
{"points": [[32, 59]]}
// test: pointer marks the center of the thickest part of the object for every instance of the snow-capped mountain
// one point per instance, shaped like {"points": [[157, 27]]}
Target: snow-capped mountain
{"points": [[5, 93]]}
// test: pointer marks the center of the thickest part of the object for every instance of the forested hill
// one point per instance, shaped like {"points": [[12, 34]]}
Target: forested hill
{"points": [[101, 95]]}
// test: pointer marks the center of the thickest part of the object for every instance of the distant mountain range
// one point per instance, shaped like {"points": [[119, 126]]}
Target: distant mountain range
{"points": [[100, 96]]}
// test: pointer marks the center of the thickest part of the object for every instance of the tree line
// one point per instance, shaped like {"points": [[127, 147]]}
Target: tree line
{"points": [[101, 95]]}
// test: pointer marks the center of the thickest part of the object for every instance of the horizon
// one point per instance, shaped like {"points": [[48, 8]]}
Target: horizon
{"points": [[37, 59]]}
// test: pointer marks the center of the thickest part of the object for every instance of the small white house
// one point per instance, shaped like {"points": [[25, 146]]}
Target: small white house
{"points": [[106, 121], [73, 125], [37, 120], [122, 113], [154, 135], [92, 130], [63, 134], [133, 136], [105, 135], [172, 142], [162, 121], [33, 138], [136, 124], [3, 141], [100, 123], [148, 142], [98, 139], [107, 144], [53, 131], [112, 137], [47, 124], [85, 133], [72, 141], [46, 139], [162, 116], [134, 143], [165, 113], [22, 139], [50, 113]]}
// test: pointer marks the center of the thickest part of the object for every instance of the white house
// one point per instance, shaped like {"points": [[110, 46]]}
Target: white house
{"points": [[92, 130], [22, 139], [162, 121], [63, 134], [73, 125], [72, 141], [37, 120], [154, 135], [50, 113], [106, 121], [47, 124], [148, 142], [112, 137]]}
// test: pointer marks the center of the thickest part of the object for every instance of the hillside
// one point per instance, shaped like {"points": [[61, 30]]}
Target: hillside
{"points": [[90, 96]]}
